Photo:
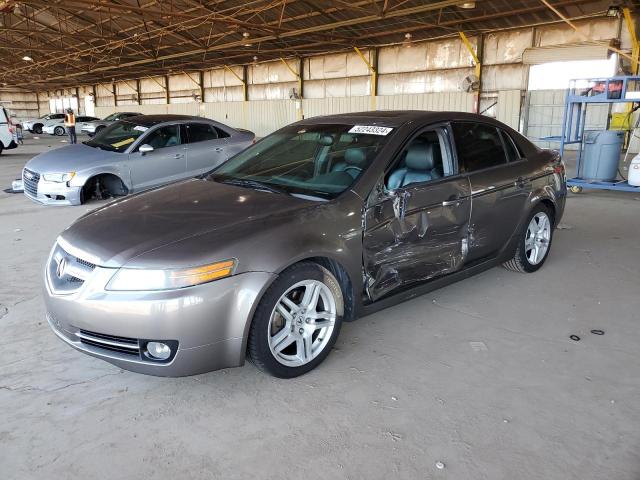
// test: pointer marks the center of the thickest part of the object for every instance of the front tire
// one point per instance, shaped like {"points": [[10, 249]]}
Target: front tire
{"points": [[37, 129], [297, 321], [534, 243]]}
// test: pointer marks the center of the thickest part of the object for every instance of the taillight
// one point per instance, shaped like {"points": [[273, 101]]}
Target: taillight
{"points": [[559, 168]]}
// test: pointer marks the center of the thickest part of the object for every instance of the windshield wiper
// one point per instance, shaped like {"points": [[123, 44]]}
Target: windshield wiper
{"points": [[243, 182]]}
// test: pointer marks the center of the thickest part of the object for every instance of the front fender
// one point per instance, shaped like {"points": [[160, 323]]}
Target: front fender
{"points": [[121, 171]]}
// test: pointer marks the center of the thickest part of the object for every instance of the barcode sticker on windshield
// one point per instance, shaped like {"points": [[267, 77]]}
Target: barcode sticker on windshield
{"points": [[140, 128], [370, 130]]}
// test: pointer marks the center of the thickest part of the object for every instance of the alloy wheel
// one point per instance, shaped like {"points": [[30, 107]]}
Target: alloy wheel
{"points": [[536, 242], [301, 323]]}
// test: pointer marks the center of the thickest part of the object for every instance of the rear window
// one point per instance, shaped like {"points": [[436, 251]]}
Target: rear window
{"points": [[478, 146], [201, 132], [513, 154]]}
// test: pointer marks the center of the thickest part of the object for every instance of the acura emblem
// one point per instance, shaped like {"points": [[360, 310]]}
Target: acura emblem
{"points": [[62, 264]]}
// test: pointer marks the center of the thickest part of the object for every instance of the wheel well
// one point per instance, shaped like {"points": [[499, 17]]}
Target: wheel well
{"points": [[343, 278], [104, 184], [551, 206]]}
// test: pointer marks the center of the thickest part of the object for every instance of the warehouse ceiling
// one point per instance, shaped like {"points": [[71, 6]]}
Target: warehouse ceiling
{"points": [[47, 44]]}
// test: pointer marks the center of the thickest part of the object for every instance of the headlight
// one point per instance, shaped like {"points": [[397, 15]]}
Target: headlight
{"points": [[143, 279], [58, 177]]}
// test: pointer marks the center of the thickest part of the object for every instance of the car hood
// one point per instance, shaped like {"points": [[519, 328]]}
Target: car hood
{"points": [[122, 230], [70, 158]]}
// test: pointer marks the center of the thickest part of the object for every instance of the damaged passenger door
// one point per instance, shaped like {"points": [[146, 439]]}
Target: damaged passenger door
{"points": [[417, 217]]}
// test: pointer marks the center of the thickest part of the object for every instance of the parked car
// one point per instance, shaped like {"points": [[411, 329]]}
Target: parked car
{"points": [[92, 128], [56, 126], [131, 155], [8, 138], [321, 222], [34, 125]]}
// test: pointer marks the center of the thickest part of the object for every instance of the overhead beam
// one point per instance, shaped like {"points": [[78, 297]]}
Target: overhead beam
{"points": [[289, 34]]}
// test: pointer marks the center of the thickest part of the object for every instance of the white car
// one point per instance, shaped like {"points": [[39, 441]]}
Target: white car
{"points": [[56, 126], [34, 125], [7, 131]]}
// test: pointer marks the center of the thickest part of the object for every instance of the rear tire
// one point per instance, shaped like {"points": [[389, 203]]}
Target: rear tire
{"points": [[297, 321], [534, 243], [59, 131]]}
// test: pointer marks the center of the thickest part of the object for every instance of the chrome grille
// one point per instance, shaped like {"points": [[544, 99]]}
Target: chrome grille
{"points": [[30, 181], [128, 346], [66, 272]]}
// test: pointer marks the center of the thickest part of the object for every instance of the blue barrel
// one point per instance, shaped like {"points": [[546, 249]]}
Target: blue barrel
{"points": [[601, 154]]}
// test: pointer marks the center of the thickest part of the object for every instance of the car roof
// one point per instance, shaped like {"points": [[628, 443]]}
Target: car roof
{"points": [[150, 120], [396, 118]]}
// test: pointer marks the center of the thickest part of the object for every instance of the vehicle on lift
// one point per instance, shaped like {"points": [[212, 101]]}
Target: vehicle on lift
{"points": [[56, 126], [321, 222], [94, 127], [34, 125], [8, 139], [131, 155]]}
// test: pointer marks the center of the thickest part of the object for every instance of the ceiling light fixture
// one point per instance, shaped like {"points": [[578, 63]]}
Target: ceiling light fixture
{"points": [[407, 40], [467, 5], [27, 58], [613, 11]]}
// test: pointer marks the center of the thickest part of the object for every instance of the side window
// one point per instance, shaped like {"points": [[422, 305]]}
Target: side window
{"points": [[512, 151], [168, 136], [478, 145], [200, 132], [221, 133], [425, 158]]}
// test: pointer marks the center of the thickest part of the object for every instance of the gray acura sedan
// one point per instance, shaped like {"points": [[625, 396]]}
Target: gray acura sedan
{"points": [[321, 222], [131, 155]]}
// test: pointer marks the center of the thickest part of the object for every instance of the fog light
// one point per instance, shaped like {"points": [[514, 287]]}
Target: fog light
{"points": [[158, 350]]}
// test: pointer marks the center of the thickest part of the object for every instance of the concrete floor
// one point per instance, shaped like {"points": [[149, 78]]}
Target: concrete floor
{"points": [[481, 376]]}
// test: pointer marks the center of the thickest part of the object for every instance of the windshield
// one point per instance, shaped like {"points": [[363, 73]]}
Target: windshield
{"points": [[113, 116], [317, 160], [117, 137]]}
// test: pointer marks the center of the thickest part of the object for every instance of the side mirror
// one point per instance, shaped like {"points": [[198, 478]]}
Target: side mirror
{"points": [[146, 148]]}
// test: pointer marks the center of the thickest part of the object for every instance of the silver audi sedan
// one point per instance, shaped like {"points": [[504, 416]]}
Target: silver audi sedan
{"points": [[131, 155], [321, 222]]}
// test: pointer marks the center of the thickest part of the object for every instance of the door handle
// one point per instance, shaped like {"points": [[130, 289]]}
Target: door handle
{"points": [[179, 155], [452, 202], [520, 182], [219, 149]]}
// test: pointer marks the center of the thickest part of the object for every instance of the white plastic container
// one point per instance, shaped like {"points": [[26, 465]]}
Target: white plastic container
{"points": [[634, 172]]}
